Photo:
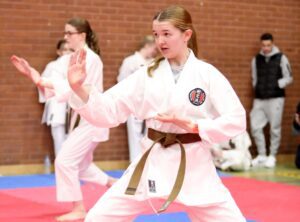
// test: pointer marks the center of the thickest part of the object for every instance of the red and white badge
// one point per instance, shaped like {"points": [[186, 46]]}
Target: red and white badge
{"points": [[197, 96]]}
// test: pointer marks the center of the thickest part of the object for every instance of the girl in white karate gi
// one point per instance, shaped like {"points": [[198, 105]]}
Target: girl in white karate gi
{"points": [[74, 161], [145, 54], [54, 114], [177, 94]]}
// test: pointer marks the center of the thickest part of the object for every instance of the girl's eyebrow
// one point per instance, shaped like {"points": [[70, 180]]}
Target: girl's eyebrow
{"points": [[164, 30]]}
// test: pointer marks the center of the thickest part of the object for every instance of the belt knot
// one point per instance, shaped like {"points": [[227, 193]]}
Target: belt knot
{"points": [[168, 139]]}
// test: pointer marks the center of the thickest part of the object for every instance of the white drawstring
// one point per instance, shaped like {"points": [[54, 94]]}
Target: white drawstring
{"points": [[153, 208]]}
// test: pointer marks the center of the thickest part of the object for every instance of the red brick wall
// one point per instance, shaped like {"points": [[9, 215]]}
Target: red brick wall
{"points": [[228, 33]]}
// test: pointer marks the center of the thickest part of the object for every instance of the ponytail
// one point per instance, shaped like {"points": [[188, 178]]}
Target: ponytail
{"points": [[92, 41], [192, 44]]}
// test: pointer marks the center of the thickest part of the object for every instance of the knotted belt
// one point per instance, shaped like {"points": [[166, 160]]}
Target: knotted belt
{"points": [[166, 140]]}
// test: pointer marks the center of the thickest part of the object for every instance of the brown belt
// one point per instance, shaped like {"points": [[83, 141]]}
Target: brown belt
{"points": [[166, 140], [69, 127]]}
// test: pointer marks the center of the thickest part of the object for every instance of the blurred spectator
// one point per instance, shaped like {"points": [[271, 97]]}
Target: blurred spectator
{"points": [[296, 127], [271, 73]]}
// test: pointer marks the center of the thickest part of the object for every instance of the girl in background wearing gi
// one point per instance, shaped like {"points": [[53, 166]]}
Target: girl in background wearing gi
{"points": [[178, 94], [54, 114], [74, 162], [135, 127]]}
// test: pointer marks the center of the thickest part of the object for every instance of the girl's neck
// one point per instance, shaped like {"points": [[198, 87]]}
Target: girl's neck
{"points": [[80, 46], [180, 60]]}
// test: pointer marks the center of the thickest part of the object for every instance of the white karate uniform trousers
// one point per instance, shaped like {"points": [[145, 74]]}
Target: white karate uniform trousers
{"points": [[115, 206], [59, 135], [75, 162], [264, 111]]}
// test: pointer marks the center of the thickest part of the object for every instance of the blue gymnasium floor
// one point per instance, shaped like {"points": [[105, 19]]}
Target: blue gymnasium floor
{"points": [[48, 180]]}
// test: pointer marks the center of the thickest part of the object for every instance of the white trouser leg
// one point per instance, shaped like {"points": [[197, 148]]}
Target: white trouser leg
{"points": [[225, 212], [274, 113], [90, 172], [134, 132], [118, 207], [121, 208], [258, 121], [115, 206], [74, 162], [59, 135]]}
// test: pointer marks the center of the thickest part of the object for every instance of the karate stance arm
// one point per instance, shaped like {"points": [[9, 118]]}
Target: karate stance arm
{"points": [[183, 123], [23, 66]]}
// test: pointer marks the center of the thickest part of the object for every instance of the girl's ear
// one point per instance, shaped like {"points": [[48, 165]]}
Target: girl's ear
{"points": [[187, 35], [83, 36]]}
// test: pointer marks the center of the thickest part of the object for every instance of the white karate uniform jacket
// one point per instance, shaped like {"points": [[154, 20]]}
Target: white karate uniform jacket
{"points": [[62, 90], [217, 111], [54, 112]]}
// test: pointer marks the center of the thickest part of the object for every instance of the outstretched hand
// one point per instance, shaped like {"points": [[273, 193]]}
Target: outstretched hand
{"points": [[23, 66], [76, 70]]}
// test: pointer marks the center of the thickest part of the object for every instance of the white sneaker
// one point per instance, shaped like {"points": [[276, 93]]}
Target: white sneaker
{"points": [[259, 160], [270, 162]]}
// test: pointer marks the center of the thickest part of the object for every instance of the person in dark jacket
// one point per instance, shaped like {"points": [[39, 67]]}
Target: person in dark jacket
{"points": [[271, 73], [296, 127]]}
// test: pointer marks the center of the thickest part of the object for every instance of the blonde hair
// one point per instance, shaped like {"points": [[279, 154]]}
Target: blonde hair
{"points": [[182, 20], [148, 39]]}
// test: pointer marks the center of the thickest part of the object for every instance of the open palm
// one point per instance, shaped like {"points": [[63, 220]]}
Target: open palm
{"points": [[76, 70], [23, 66]]}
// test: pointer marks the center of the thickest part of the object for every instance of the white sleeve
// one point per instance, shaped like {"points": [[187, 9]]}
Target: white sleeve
{"points": [[45, 74], [113, 107], [232, 115], [45, 94], [57, 76], [61, 87], [286, 73], [253, 72]]}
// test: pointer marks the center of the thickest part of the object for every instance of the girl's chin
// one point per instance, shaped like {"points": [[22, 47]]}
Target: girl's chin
{"points": [[166, 54]]}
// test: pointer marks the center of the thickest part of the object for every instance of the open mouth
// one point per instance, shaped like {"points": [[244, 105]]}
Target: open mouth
{"points": [[164, 49]]}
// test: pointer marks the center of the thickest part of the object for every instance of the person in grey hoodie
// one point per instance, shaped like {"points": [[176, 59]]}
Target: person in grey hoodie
{"points": [[271, 73]]}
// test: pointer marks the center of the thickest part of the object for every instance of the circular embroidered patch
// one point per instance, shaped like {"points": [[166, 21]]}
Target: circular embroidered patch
{"points": [[197, 96]]}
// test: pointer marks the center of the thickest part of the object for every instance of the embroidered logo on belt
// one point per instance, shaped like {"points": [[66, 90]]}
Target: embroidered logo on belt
{"points": [[197, 96], [151, 184]]}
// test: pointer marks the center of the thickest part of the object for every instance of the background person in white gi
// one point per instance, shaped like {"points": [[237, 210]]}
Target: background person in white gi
{"points": [[233, 154], [135, 128], [75, 160], [54, 114], [191, 107], [271, 73]]}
